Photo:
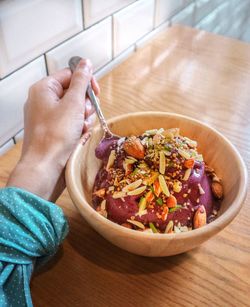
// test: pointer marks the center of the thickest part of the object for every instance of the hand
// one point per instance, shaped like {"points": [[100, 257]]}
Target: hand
{"points": [[55, 116]]}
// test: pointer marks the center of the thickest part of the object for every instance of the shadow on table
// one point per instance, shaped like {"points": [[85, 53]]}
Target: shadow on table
{"points": [[40, 269], [99, 251]]}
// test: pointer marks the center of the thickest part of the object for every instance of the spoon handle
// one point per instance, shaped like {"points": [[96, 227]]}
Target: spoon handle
{"points": [[73, 62]]}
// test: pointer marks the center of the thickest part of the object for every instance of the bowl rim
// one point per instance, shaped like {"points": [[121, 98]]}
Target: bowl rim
{"points": [[219, 223]]}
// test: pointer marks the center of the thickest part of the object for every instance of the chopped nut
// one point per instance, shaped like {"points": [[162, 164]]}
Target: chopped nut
{"points": [[177, 186], [134, 147], [100, 193], [164, 214], [119, 195], [157, 188], [127, 225], [215, 178], [157, 139], [103, 204], [171, 201], [149, 197], [189, 163], [217, 189]]}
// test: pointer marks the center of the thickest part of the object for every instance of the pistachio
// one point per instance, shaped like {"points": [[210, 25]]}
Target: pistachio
{"points": [[134, 147], [217, 189], [162, 163], [187, 174], [184, 153], [164, 186]]}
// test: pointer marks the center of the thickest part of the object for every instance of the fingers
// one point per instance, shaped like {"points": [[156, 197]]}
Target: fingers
{"points": [[89, 123], [79, 81], [63, 77], [95, 86], [58, 82], [89, 109]]}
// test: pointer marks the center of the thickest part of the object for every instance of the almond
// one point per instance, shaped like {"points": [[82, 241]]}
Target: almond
{"points": [[200, 217], [217, 189], [134, 147]]}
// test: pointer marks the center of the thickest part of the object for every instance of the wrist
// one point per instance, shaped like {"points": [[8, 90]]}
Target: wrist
{"points": [[39, 175]]}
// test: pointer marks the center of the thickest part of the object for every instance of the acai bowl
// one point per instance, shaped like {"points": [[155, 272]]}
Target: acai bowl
{"points": [[217, 152]]}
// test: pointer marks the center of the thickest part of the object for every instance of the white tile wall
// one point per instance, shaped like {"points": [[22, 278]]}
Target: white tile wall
{"points": [[122, 57], [13, 94], [185, 17], [209, 23], [141, 42], [6, 147], [166, 9], [95, 10], [107, 32], [132, 23], [94, 43], [30, 27], [202, 9]]}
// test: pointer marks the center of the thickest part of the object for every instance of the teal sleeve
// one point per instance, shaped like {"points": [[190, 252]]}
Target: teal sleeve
{"points": [[31, 229]]}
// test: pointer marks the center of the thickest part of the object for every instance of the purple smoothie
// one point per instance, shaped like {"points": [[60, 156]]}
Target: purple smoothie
{"points": [[120, 210]]}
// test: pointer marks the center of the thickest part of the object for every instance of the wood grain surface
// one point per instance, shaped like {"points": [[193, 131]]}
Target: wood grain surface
{"points": [[189, 72]]}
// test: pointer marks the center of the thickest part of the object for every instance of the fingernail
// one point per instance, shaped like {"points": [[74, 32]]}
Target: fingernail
{"points": [[85, 65]]}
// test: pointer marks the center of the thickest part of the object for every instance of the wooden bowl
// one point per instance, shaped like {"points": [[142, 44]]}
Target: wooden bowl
{"points": [[218, 152]]}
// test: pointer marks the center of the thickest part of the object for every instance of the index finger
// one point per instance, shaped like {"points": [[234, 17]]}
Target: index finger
{"points": [[63, 77]]}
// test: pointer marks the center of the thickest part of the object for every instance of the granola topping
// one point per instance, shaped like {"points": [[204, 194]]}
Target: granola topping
{"points": [[156, 182]]}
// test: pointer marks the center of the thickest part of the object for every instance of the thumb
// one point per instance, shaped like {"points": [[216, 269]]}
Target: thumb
{"points": [[80, 80]]}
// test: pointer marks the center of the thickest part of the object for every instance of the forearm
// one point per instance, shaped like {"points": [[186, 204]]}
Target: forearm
{"points": [[40, 176]]}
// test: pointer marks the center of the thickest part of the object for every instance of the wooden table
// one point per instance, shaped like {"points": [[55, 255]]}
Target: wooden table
{"points": [[189, 72]]}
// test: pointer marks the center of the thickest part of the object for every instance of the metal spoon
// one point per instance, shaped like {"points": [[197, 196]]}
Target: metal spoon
{"points": [[73, 62]]}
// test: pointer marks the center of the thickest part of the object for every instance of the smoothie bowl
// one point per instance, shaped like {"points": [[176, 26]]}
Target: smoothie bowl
{"points": [[167, 185]]}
